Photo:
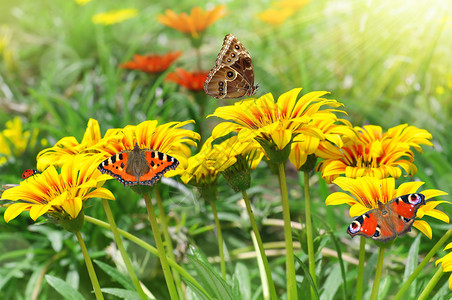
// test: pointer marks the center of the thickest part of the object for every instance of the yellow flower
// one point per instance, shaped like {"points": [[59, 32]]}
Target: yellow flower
{"points": [[292, 4], [82, 2], [14, 141], [195, 23], [167, 138], [66, 148], [275, 124], [275, 16], [367, 191], [114, 16], [63, 195], [446, 263], [305, 145], [370, 152]]}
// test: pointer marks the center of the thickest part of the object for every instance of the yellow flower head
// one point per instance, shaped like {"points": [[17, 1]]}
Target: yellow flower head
{"points": [[370, 152], [304, 145], [275, 123], [366, 192], [114, 16], [275, 16], [66, 148], [14, 141], [60, 195], [293, 4], [167, 138], [446, 263], [195, 23]]}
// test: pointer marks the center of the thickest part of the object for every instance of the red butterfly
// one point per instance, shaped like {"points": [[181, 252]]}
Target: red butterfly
{"points": [[389, 220], [29, 172], [138, 166]]}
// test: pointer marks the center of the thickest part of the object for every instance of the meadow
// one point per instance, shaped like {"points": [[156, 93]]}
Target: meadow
{"points": [[260, 203]]}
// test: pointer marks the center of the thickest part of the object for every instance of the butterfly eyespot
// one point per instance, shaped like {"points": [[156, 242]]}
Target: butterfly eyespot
{"points": [[406, 220], [221, 94], [355, 227], [229, 60], [237, 47], [377, 232], [414, 199], [232, 55], [230, 74], [220, 89]]}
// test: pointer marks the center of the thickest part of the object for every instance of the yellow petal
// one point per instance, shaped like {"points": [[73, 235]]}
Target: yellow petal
{"points": [[448, 246], [339, 198], [409, 188], [423, 227], [38, 210], [437, 214], [281, 138], [101, 193], [14, 210], [357, 210], [73, 206], [431, 193]]}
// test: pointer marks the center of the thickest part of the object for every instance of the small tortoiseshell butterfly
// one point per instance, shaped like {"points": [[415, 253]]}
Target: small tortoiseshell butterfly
{"points": [[138, 166], [29, 172]]}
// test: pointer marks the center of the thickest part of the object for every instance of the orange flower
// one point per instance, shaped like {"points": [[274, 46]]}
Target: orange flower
{"points": [[190, 80], [195, 23], [152, 63]]}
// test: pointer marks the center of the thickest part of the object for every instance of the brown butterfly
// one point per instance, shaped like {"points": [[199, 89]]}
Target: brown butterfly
{"points": [[233, 74]]}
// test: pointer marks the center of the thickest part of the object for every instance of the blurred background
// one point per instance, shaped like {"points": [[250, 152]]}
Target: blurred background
{"points": [[388, 61]]}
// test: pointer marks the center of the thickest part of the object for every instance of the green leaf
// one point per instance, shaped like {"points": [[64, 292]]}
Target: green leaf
{"points": [[116, 275], [411, 264], [64, 288], [332, 283], [209, 279], [308, 276], [122, 293], [242, 275]]}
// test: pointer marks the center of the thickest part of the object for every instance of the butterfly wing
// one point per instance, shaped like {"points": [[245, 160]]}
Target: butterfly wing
{"points": [[233, 75], [402, 211], [364, 225], [225, 82], [138, 166]]}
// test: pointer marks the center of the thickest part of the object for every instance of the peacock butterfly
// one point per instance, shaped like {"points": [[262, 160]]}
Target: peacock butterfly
{"points": [[29, 172], [389, 220], [138, 166]]}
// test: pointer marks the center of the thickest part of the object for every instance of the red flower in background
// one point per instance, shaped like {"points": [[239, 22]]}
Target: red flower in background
{"points": [[193, 81], [152, 63]]}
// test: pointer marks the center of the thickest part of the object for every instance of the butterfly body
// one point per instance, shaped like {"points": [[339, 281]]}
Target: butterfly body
{"points": [[389, 220], [138, 166], [233, 74], [29, 172]]}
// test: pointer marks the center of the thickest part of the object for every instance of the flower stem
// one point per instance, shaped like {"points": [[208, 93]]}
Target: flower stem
{"points": [[122, 250], [271, 285], [423, 263], [168, 242], [431, 284], [150, 249], [381, 255], [362, 257], [290, 264], [89, 266], [311, 255], [219, 237], [160, 247]]}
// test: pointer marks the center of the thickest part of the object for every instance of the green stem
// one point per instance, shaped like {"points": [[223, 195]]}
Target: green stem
{"points": [[89, 266], [311, 255], [160, 247], [431, 284], [290, 264], [381, 255], [151, 249], [423, 263], [220, 239], [362, 257], [271, 285], [122, 250], [168, 241]]}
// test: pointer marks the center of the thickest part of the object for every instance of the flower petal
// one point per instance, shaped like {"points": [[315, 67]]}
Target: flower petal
{"points": [[423, 227]]}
